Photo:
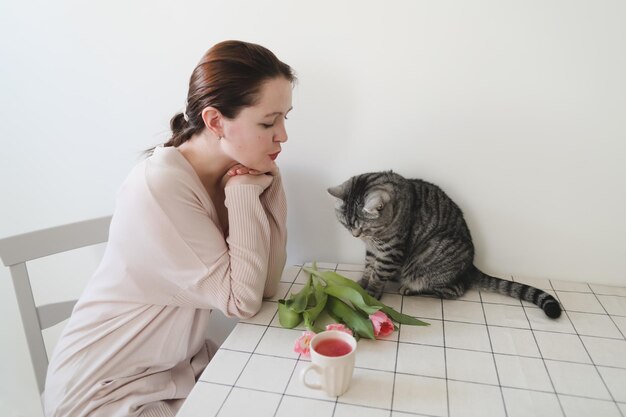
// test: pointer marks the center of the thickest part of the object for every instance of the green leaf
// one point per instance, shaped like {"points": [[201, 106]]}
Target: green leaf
{"points": [[402, 318], [335, 278], [320, 297], [310, 315], [310, 324], [301, 299], [343, 313], [286, 316], [352, 295]]}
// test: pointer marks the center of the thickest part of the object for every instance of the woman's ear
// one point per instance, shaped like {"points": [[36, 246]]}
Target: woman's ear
{"points": [[213, 121]]}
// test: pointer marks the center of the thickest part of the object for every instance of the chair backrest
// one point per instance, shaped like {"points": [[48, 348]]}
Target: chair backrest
{"points": [[16, 251]]}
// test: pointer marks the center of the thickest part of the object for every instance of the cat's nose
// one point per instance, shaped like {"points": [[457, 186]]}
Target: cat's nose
{"points": [[356, 232]]}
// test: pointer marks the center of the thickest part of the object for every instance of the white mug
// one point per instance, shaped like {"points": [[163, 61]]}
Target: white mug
{"points": [[335, 372]]}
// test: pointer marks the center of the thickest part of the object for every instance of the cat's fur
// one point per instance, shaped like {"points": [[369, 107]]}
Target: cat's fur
{"points": [[415, 234]]}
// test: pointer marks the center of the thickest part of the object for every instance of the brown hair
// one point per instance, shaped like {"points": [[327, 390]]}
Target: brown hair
{"points": [[229, 78]]}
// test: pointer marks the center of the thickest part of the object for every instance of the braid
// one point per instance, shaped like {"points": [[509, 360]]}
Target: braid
{"points": [[182, 130]]}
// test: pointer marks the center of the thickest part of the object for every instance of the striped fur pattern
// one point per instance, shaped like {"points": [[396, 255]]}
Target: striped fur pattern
{"points": [[416, 235]]}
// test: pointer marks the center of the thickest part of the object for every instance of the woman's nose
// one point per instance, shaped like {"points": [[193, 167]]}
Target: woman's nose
{"points": [[281, 136]]}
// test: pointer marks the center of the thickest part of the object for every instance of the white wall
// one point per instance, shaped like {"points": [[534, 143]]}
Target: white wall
{"points": [[517, 109]]}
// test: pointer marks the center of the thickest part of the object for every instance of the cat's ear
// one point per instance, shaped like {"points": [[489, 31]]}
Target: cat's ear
{"points": [[337, 191], [375, 202]]}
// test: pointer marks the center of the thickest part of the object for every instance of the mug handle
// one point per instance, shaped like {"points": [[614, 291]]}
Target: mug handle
{"points": [[311, 367]]}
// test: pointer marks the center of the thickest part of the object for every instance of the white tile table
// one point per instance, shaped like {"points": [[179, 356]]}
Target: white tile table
{"points": [[483, 355]]}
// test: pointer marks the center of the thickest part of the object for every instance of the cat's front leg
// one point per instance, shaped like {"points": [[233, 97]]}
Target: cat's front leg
{"points": [[368, 271], [375, 286], [382, 271], [365, 280]]}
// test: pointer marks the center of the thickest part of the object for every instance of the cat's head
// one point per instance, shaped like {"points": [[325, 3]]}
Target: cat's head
{"points": [[365, 203]]}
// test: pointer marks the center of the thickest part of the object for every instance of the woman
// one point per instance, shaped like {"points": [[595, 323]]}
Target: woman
{"points": [[198, 225]]}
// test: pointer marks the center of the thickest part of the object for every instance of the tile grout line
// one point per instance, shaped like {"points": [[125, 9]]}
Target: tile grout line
{"points": [[240, 373], [587, 351], [424, 376], [259, 342], [493, 356], [532, 331], [433, 377], [467, 322], [607, 313], [508, 304], [449, 347], [337, 397], [445, 357], [395, 368], [533, 307], [286, 385], [423, 317], [619, 330], [551, 287], [599, 374], [586, 292]]}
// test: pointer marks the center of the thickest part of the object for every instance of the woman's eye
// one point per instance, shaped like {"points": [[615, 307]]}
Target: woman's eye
{"points": [[268, 125]]}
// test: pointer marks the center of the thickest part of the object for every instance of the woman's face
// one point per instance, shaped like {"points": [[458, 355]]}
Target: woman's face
{"points": [[255, 136]]}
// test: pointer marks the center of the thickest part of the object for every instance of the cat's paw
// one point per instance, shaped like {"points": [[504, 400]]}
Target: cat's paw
{"points": [[376, 294], [363, 282], [405, 290]]}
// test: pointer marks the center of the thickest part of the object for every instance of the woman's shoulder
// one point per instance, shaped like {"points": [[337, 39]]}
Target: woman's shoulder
{"points": [[166, 176], [168, 170]]}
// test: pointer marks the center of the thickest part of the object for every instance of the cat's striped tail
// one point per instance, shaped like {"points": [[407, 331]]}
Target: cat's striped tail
{"points": [[518, 290]]}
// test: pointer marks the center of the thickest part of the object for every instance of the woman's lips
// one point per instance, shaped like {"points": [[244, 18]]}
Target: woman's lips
{"points": [[274, 156]]}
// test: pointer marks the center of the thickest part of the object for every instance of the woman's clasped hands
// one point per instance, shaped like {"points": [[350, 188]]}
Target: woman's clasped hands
{"points": [[240, 174]]}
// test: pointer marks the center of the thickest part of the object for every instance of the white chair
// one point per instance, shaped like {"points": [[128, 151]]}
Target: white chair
{"points": [[15, 251]]}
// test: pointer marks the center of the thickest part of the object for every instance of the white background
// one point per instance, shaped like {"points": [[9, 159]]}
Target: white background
{"points": [[516, 109]]}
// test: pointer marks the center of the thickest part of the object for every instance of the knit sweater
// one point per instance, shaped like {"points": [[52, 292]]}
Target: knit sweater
{"points": [[135, 343]]}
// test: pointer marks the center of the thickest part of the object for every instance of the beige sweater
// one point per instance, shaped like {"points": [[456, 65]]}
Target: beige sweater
{"points": [[135, 343]]}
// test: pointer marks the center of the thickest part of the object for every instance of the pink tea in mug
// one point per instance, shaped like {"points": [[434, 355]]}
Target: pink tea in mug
{"points": [[333, 354], [333, 347]]}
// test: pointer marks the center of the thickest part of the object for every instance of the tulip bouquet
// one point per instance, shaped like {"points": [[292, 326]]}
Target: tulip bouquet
{"points": [[350, 306]]}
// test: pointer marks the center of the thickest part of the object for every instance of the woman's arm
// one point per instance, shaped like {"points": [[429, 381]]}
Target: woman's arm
{"points": [[274, 203], [230, 273]]}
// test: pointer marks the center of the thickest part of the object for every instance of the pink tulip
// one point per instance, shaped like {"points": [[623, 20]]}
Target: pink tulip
{"points": [[303, 342], [382, 324], [340, 327]]}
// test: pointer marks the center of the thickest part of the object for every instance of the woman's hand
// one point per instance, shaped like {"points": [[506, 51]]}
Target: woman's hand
{"points": [[242, 170], [240, 174]]}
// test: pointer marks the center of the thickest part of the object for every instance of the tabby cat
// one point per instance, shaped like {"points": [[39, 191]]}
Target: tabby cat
{"points": [[416, 235]]}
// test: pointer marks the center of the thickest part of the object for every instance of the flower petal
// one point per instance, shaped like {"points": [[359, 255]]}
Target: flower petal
{"points": [[303, 343], [383, 326], [340, 327]]}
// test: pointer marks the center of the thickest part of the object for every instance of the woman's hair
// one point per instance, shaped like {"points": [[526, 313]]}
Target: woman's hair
{"points": [[229, 77]]}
